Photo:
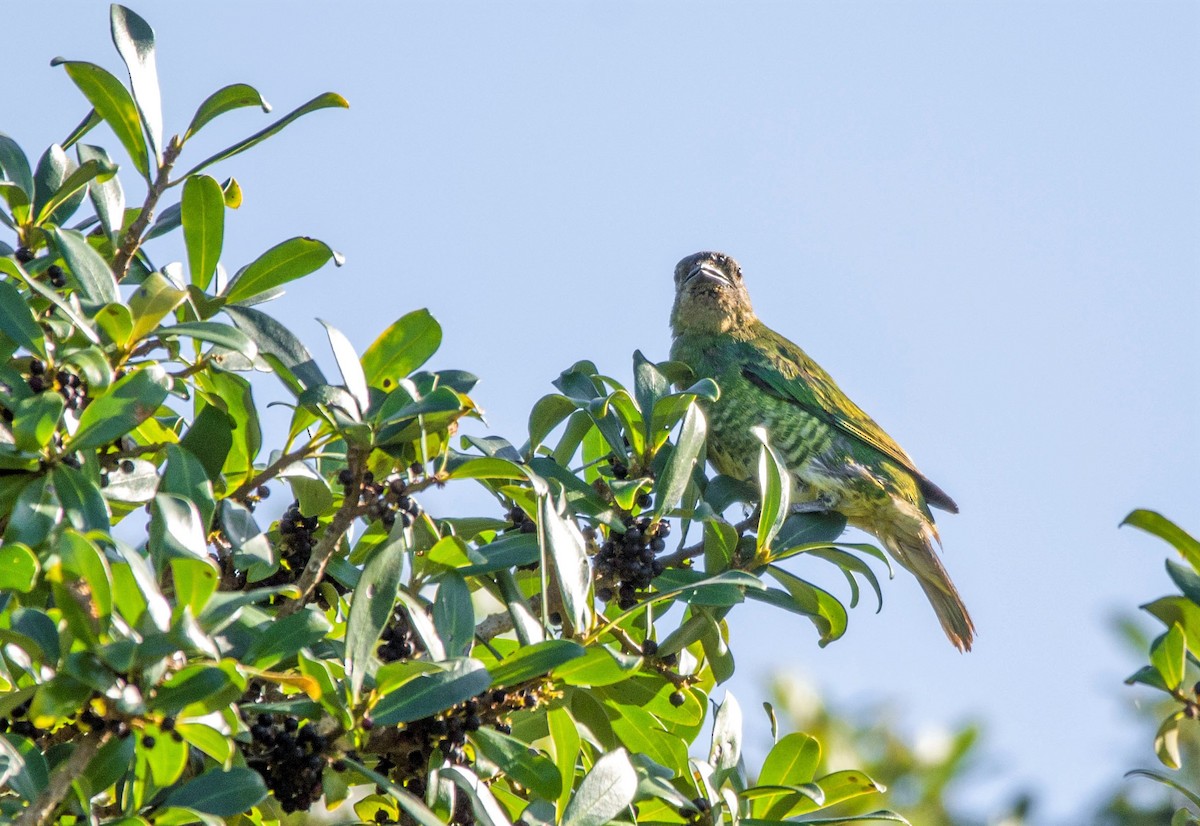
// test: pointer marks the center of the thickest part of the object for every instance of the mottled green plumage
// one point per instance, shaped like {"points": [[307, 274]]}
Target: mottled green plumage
{"points": [[838, 456]]}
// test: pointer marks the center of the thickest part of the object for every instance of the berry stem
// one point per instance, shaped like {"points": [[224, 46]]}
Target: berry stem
{"points": [[692, 551]]}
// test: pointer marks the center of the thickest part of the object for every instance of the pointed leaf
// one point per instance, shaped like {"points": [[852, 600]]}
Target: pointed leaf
{"points": [[292, 362], [678, 472], [776, 485], [92, 171], [284, 262], [453, 615], [130, 401], [401, 349], [427, 694], [325, 101], [16, 321], [1157, 524], [225, 99], [134, 40], [112, 102], [371, 609], [94, 278], [14, 166], [605, 792], [348, 364], [107, 196], [221, 793]]}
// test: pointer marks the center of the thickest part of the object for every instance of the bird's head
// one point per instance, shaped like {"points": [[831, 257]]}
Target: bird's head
{"points": [[710, 296]]}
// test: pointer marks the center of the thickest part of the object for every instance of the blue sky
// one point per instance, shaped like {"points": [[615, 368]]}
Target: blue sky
{"points": [[982, 219]]}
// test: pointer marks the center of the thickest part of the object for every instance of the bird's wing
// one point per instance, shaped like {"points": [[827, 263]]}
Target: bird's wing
{"points": [[813, 390]]}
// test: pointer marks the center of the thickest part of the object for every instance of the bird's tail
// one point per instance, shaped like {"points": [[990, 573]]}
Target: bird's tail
{"points": [[914, 546]]}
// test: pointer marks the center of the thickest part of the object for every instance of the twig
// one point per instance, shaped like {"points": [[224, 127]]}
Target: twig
{"points": [[133, 236], [499, 623], [271, 470], [679, 557], [41, 812], [350, 510]]}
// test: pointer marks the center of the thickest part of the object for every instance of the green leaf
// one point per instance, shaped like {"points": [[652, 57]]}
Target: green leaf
{"points": [[838, 787], [605, 792], [134, 40], [599, 666], [90, 121], [95, 280], [112, 102], [726, 748], [411, 805], [196, 580], [221, 793], [35, 418], [213, 332], [14, 165], [93, 170], [83, 503], [107, 196], [821, 607], [535, 660], [371, 609], [348, 364], [129, 402], [536, 772], [36, 512], [1169, 656], [150, 303], [284, 262], [453, 614], [225, 99], [427, 694], [19, 568], [401, 348], [792, 761], [287, 355], [199, 687], [1166, 741], [325, 101], [678, 472], [1157, 524], [565, 743], [52, 169], [776, 485], [203, 216], [282, 639], [566, 546]]}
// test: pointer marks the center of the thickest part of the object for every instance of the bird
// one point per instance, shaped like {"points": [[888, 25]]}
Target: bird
{"points": [[839, 459]]}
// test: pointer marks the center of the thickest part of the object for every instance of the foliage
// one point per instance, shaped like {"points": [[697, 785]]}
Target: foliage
{"points": [[168, 658], [1172, 661]]}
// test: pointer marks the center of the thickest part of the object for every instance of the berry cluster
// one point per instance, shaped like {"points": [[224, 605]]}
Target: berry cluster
{"points": [[408, 755], [23, 255], [296, 537], [290, 758], [628, 559], [69, 385], [399, 641], [386, 501], [520, 520]]}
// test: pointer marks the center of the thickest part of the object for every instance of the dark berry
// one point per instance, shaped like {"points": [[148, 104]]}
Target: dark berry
{"points": [[23, 254], [36, 367], [677, 699], [37, 384], [148, 741], [657, 544], [167, 724], [290, 724], [644, 500], [528, 527], [367, 723], [127, 466], [397, 486], [338, 765], [263, 492], [345, 477], [649, 648]]}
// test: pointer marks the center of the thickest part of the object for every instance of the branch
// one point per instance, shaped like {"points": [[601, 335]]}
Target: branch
{"points": [[41, 813], [683, 554], [270, 471], [350, 510], [499, 623], [133, 236]]}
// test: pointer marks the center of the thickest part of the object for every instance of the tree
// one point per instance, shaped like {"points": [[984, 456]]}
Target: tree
{"points": [[192, 665]]}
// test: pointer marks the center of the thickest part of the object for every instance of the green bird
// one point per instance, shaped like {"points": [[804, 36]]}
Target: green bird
{"points": [[839, 458]]}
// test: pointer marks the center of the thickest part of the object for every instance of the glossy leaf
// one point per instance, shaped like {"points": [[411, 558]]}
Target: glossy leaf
{"points": [[678, 472], [127, 403], [69, 190], [16, 321], [325, 101], [1157, 524], [112, 101], [107, 196], [535, 660], [213, 332], [14, 165], [566, 546], [1169, 656], [349, 365], [151, 302], [202, 212], [371, 609], [453, 615], [221, 793], [288, 356], [91, 272], [427, 694], [134, 40], [401, 348], [284, 262], [605, 792], [225, 99], [776, 484], [19, 567], [535, 771]]}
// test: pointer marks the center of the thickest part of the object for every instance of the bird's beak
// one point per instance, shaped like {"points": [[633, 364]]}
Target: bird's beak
{"points": [[708, 273]]}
